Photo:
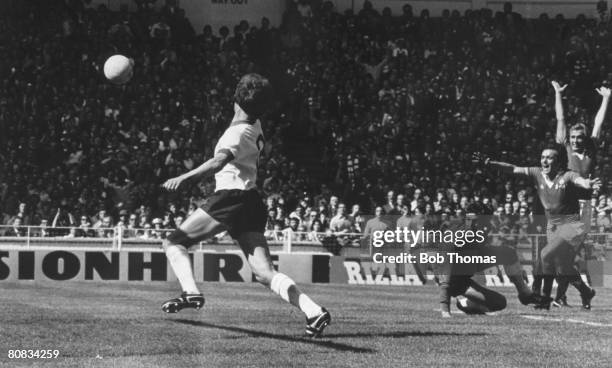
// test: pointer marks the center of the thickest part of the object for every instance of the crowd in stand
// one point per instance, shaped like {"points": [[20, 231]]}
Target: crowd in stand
{"points": [[395, 104]]}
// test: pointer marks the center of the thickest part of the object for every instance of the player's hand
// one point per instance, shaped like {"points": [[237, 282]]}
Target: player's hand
{"points": [[480, 159], [558, 88], [595, 184], [173, 184], [603, 91]]}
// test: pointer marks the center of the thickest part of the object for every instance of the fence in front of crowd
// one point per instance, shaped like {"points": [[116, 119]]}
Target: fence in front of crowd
{"points": [[117, 238], [353, 244]]}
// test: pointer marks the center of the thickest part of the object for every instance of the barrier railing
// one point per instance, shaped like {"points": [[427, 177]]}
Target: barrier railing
{"points": [[117, 237], [595, 246]]}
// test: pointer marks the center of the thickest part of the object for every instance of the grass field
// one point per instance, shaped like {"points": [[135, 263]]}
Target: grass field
{"points": [[244, 325]]}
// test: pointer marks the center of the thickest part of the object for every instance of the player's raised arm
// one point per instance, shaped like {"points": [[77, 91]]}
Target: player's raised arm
{"points": [[561, 129], [505, 167], [209, 167], [601, 113]]}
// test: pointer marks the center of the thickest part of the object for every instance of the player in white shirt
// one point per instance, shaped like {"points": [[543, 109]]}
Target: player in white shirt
{"points": [[236, 207]]}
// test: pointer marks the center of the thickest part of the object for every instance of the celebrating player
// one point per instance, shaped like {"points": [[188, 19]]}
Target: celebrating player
{"points": [[557, 189], [236, 207], [581, 156]]}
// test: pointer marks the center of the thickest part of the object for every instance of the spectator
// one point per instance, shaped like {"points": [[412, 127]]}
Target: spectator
{"points": [[41, 231], [99, 219], [22, 214], [357, 219], [158, 232], [310, 219], [168, 221], [389, 206], [132, 226], [276, 233], [341, 225], [123, 217], [416, 199], [316, 232], [333, 205], [146, 234], [16, 230], [374, 224], [178, 220], [291, 231], [62, 219], [298, 213], [105, 230], [72, 233], [84, 229]]}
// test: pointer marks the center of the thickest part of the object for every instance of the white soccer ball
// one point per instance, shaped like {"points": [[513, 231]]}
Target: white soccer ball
{"points": [[119, 69]]}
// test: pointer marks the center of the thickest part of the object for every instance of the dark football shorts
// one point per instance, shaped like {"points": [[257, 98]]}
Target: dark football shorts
{"points": [[239, 211], [573, 233]]}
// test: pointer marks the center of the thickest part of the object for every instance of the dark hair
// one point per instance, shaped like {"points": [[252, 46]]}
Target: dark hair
{"points": [[561, 154], [253, 94], [421, 209], [312, 224]]}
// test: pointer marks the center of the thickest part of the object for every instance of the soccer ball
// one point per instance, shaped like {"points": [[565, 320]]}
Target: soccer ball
{"points": [[119, 69]]}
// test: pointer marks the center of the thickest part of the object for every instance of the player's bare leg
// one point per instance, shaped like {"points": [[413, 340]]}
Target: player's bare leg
{"points": [[197, 226], [255, 247]]}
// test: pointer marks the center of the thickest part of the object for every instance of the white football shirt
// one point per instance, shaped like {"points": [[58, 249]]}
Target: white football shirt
{"points": [[245, 141]]}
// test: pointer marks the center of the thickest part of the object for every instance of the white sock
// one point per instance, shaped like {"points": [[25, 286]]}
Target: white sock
{"points": [[282, 285], [181, 265]]}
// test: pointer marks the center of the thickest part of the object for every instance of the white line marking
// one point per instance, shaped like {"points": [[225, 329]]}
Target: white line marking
{"points": [[570, 320]]}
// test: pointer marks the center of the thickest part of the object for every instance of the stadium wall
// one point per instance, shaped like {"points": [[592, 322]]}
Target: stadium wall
{"points": [[527, 8], [84, 265], [356, 271], [59, 264], [217, 13]]}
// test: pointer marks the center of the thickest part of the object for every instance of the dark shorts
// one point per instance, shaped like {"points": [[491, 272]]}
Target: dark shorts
{"points": [[574, 233], [239, 211]]}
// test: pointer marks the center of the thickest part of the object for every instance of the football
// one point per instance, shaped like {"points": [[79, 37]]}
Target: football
{"points": [[119, 69]]}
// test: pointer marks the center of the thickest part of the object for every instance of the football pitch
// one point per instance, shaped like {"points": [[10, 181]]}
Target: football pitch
{"points": [[245, 325]]}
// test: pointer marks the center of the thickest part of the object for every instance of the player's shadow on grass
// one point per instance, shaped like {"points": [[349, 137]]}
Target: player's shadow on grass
{"points": [[405, 334], [318, 342]]}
